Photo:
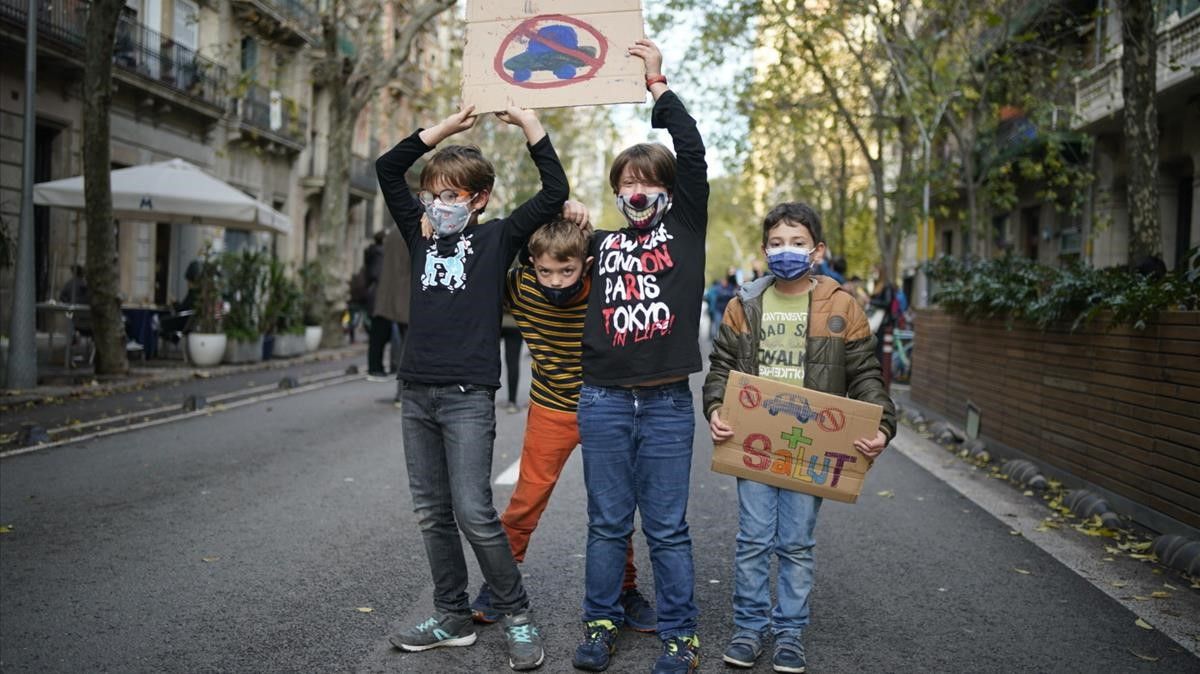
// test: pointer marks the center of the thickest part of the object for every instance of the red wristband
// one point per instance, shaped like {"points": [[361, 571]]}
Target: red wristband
{"points": [[655, 79]]}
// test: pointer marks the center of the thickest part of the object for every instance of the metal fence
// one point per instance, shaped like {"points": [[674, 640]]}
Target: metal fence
{"points": [[290, 119]]}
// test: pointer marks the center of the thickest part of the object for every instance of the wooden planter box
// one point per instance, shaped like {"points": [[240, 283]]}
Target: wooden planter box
{"points": [[1118, 408]]}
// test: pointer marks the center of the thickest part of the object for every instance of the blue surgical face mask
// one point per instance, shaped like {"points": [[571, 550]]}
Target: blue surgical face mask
{"points": [[448, 219], [789, 262], [644, 211]]}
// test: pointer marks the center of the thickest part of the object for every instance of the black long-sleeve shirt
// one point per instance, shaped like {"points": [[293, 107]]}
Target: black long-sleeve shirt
{"points": [[455, 309], [643, 319]]}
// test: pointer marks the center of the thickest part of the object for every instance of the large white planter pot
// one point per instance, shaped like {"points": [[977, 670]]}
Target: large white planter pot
{"points": [[288, 346], [312, 337], [238, 352], [205, 349]]}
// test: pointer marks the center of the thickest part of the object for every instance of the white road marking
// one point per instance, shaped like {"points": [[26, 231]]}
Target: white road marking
{"points": [[509, 476]]}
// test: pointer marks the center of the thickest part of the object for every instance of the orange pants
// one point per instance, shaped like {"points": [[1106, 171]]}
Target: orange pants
{"points": [[550, 437]]}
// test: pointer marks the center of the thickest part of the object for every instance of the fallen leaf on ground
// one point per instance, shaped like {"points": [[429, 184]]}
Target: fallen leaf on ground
{"points": [[1109, 559], [1028, 492], [1161, 594], [1139, 597], [1170, 586], [1147, 658], [887, 493], [364, 609], [1142, 624], [209, 559], [1119, 583], [1014, 532], [5, 528], [1023, 572]]}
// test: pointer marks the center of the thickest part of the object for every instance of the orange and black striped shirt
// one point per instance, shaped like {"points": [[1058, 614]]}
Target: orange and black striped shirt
{"points": [[555, 338]]}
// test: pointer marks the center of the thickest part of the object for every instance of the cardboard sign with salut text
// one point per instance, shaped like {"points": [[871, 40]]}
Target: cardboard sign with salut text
{"points": [[795, 438], [552, 53]]}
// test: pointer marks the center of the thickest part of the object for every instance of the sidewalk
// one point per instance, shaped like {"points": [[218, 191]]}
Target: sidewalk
{"points": [[50, 407]]}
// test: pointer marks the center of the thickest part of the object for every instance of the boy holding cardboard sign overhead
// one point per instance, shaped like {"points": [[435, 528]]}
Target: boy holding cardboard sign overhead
{"points": [[798, 328]]}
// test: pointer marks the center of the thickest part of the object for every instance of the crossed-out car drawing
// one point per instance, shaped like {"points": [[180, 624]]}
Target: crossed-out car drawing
{"points": [[791, 403]]}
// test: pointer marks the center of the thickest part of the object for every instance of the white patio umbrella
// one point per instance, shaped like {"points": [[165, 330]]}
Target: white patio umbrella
{"points": [[170, 191]]}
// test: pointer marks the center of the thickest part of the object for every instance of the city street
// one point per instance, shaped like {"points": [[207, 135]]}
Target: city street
{"points": [[279, 537]]}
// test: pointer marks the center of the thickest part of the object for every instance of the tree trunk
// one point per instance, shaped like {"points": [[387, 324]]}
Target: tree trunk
{"points": [[1138, 69], [335, 201], [103, 274]]}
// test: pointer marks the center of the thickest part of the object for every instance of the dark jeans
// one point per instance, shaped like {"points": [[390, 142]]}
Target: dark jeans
{"points": [[512, 360], [637, 455], [377, 338], [449, 431]]}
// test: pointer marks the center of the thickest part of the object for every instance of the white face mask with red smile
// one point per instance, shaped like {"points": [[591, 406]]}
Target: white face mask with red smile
{"points": [[644, 211]]}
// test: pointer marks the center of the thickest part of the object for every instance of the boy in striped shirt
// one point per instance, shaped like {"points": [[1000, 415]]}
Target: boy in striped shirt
{"points": [[548, 297]]}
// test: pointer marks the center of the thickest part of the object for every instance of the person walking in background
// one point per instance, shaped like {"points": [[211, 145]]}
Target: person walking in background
{"points": [[377, 336], [717, 297], [511, 334], [75, 290], [392, 298]]}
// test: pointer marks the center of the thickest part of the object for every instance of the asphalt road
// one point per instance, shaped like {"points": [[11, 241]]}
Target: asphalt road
{"points": [[249, 541]]}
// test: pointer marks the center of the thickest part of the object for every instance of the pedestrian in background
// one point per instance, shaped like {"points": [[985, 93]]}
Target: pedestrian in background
{"points": [[826, 332], [392, 298]]}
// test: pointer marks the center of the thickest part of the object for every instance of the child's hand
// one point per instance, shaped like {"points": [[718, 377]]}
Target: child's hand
{"points": [[455, 123], [719, 430], [576, 212], [872, 447], [647, 51], [526, 119]]}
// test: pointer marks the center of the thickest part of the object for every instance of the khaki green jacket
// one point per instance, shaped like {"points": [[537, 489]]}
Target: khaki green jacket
{"points": [[839, 354]]}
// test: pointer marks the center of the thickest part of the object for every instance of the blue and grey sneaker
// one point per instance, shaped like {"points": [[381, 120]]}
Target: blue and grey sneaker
{"points": [[440, 629], [681, 655], [599, 644], [744, 649], [524, 642], [639, 614], [789, 653], [481, 609]]}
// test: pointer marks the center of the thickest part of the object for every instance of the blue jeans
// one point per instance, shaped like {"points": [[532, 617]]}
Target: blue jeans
{"points": [[449, 431], [637, 455], [773, 521]]}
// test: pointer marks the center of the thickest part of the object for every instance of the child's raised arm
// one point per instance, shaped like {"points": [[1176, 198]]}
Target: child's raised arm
{"points": [[689, 194], [548, 202], [390, 168]]}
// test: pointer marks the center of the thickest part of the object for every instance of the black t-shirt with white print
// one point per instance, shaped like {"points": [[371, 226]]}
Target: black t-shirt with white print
{"points": [[458, 282], [643, 319]]}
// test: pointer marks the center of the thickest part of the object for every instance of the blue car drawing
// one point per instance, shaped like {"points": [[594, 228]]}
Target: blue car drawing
{"points": [[540, 57], [791, 403]]}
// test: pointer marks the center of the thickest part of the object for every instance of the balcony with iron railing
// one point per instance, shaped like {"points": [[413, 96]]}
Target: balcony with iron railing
{"points": [[153, 59], [1098, 92], [276, 117], [291, 22]]}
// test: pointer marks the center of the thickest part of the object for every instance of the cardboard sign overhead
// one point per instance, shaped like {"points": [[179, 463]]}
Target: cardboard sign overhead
{"points": [[795, 438], [552, 53]]}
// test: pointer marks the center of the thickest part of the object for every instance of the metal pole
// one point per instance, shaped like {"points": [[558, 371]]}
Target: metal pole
{"points": [[22, 346], [922, 282]]}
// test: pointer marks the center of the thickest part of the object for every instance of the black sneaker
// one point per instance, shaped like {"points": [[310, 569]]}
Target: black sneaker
{"points": [[681, 655], [481, 609], [440, 629], [598, 646], [639, 614], [789, 654], [524, 642]]}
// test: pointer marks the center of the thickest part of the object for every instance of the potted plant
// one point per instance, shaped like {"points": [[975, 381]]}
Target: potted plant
{"points": [[287, 310], [206, 344], [313, 305], [245, 275]]}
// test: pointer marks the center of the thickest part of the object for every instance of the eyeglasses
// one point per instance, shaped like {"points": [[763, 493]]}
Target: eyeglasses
{"points": [[445, 196]]}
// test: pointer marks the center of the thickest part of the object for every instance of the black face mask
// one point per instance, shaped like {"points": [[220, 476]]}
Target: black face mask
{"points": [[560, 297]]}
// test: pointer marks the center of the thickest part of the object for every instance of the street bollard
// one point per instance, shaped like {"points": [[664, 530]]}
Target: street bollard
{"points": [[887, 360]]}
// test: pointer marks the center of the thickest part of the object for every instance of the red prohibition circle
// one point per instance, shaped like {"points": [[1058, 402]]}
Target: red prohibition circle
{"points": [[750, 397], [832, 420], [528, 30]]}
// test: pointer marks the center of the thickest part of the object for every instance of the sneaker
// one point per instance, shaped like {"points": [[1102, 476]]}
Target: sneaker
{"points": [[441, 629], [398, 404], [524, 642], [512, 408], [378, 377], [481, 609], [597, 647], [639, 614], [744, 649], [680, 655], [789, 653]]}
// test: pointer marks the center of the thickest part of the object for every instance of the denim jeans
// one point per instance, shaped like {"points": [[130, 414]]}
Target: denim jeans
{"points": [[637, 455], [448, 435], [773, 521]]}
